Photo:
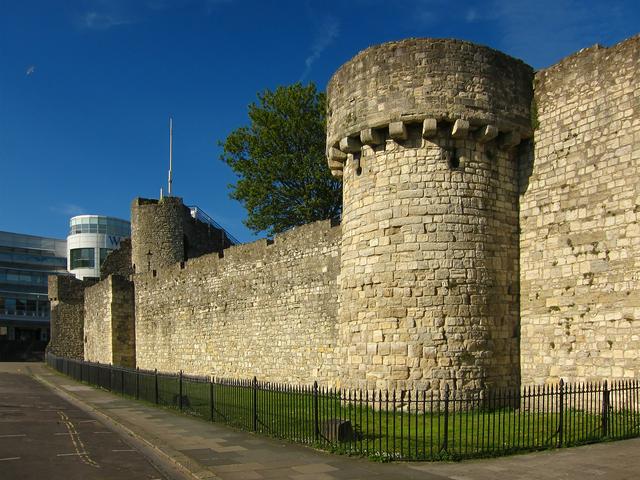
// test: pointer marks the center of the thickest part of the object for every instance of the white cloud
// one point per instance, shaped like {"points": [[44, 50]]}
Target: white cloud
{"points": [[330, 29], [107, 14], [102, 21], [67, 209]]}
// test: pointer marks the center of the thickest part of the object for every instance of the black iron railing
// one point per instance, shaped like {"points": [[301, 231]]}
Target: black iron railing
{"points": [[392, 425], [199, 214]]}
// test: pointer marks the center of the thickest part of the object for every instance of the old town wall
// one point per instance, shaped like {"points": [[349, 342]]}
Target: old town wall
{"points": [[579, 212], [66, 295], [265, 309], [109, 322]]}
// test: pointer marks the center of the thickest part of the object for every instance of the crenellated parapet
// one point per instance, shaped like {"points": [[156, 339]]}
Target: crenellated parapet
{"points": [[438, 87], [430, 130]]}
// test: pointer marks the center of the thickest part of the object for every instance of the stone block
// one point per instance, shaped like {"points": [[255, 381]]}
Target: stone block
{"points": [[371, 136], [398, 131], [460, 129], [429, 127], [510, 140], [350, 145], [486, 133], [337, 430]]}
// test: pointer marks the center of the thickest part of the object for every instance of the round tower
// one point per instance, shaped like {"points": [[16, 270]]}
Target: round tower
{"points": [[157, 233], [423, 133]]}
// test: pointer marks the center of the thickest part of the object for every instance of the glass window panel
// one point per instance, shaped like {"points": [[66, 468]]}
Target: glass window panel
{"points": [[10, 305], [82, 258], [103, 254]]}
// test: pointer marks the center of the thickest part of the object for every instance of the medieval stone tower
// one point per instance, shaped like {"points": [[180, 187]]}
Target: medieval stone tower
{"points": [[425, 135], [163, 233]]}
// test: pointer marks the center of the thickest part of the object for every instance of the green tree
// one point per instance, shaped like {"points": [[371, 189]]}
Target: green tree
{"points": [[279, 158]]}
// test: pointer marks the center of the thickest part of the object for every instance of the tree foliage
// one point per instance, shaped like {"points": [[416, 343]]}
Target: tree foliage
{"points": [[280, 161]]}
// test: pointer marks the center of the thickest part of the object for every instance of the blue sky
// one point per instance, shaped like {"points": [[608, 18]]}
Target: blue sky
{"points": [[87, 86]]}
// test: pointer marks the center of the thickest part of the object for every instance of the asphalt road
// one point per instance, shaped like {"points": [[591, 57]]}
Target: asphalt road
{"points": [[42, 436]]}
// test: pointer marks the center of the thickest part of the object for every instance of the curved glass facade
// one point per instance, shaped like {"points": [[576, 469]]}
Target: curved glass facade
{"points": [[91, 238], [99, 224]]}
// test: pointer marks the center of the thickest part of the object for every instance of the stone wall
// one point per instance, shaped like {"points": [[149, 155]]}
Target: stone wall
{"points": [[97, 323], [123, 333], [109, 322], [66, 296], [580, 206], [118, 262], [265, 309], [425, 133]]}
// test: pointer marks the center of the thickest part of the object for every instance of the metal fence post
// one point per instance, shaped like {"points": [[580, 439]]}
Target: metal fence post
{"points": [[122, 381], [316, 431], [211, 397], [155, 372], [560, 413], [605, 410], [137, 383], [255, 404], [180, 391], [445, 441]]}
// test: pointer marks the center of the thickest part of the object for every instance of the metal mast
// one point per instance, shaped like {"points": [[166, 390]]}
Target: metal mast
{"points": [[170, 153]]}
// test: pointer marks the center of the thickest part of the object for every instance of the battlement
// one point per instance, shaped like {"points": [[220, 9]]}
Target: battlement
{"points": [[438, 86]]}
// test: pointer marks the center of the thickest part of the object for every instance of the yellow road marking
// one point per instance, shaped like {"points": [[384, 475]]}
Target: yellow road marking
{"points": [[81, 451]]}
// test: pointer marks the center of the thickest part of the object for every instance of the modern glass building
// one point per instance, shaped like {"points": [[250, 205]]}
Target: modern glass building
{"points": [[90, 240], [25, 263]]}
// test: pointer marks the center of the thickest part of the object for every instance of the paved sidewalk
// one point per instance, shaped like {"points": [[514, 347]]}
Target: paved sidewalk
{"points": [[215, 451]]}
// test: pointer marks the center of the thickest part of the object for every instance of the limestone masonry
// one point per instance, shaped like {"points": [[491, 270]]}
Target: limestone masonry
{"points": [[489, 238]]}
